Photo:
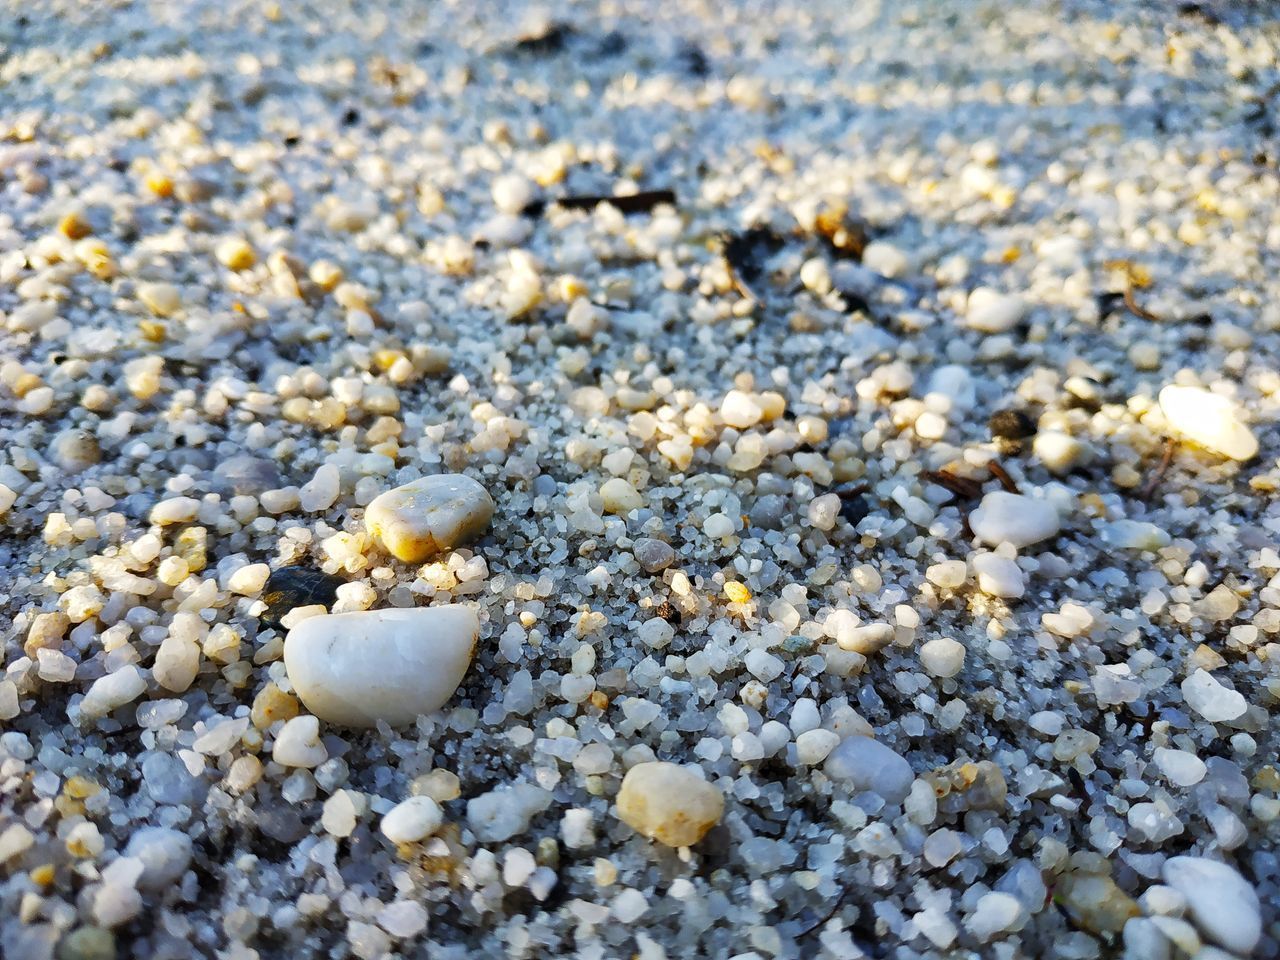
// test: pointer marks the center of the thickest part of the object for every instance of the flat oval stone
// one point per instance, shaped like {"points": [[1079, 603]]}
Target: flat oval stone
{"points": [[1223, 904], [429, 515], [1209, 419], [1012, 518], [355, 669]]}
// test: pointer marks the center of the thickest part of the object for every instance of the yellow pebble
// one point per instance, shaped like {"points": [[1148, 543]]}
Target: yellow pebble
{"points": [[736, 592], [74, 226], [234, 253], [80, 787]]}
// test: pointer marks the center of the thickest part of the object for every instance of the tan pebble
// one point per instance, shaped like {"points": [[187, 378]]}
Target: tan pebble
{"points": [[669, 803]]}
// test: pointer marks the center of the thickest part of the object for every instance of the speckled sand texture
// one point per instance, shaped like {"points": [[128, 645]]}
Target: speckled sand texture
{"points": [[884, 485]]}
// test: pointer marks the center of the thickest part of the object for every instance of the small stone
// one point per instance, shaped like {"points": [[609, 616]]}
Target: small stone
{"points": [[718, 526], [1060, 452], [245, 476], [505, 811], [993, 312], [669, 803], [1004, 517], [429, 515], [177, 663], [866, 639], [164, 853], [162, 299], [321, 491], [88, 943], [996, 913], [1222, 903], [289, 588], [867, 764], [1179, 767], [620, 497], [298, 744], [392, 665], [175, 510], [249, 580], [403, 919], [740, 410], [1209, 419], [1000, 576], [653, 555], [942, 657], [112, 691], [75, 450], [1209, 698], [234, 253], [412, 820], [1011, 425], [339, 814], [1134, 535], [814, 746]]}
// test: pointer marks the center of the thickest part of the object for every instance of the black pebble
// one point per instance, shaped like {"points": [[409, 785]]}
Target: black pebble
{"points": [[291, 587], [853, 508], [1011, 425]]}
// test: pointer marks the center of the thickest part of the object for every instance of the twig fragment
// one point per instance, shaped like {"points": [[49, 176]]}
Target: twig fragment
{"points": [[1001, 474], [1153, 481]]}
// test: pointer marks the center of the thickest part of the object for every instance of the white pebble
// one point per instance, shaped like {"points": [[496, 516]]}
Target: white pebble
{"points": [[942, 656], [320, 492], [1208, 419], [298, 743], [411, 820], [1179, 767], [999, 576], [114, 690], [813, 746], [669, 803], [1209, 698], [1222, 903], [1004, 517], [392, 665], [993, 312]]}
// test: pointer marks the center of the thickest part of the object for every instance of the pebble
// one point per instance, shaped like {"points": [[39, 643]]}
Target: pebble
{"points": [[1179, 767], [429, 515], [1134, 535], [996, 913], [1209, 698], [164, 853], [298, 743], [669, 803], [1011, 425], [393, 665], [1060, 452], [867, 764], [653, 555], [505, 811], [321, 491], [994, 312], [1208, 419], [814, 746], [162, 299], [114, 690], [1222, 903], [942, 657], [75, 450], [740, 410], [412, 820], [289, 588], [1000, 576], [620, 497], [1004, 517], [245, 475]]}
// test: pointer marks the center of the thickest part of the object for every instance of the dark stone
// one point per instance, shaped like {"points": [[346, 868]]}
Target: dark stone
{"points": [[291, 587], [853, 508], [1011, 425]]}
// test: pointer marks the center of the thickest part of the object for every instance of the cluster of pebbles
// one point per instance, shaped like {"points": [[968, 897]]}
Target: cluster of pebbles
{"points": [[858, 538]]}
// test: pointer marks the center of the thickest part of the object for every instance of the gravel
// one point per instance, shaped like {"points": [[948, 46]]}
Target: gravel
{"points": [[882, 486]]}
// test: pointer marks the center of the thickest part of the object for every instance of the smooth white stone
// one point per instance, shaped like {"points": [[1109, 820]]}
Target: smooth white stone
{"points": [[393, 665], [994, 312], [1223, 904], [669, 802], [740, 410], [867, 764], [1000, 576], [429, 515], [1209, 419], [412, 820], [1180, 768], [1134, 535], [1013, 518], [813, 746], [114, 690], [1207, 697], [164, 853], [298, 743], [942, 657]]}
